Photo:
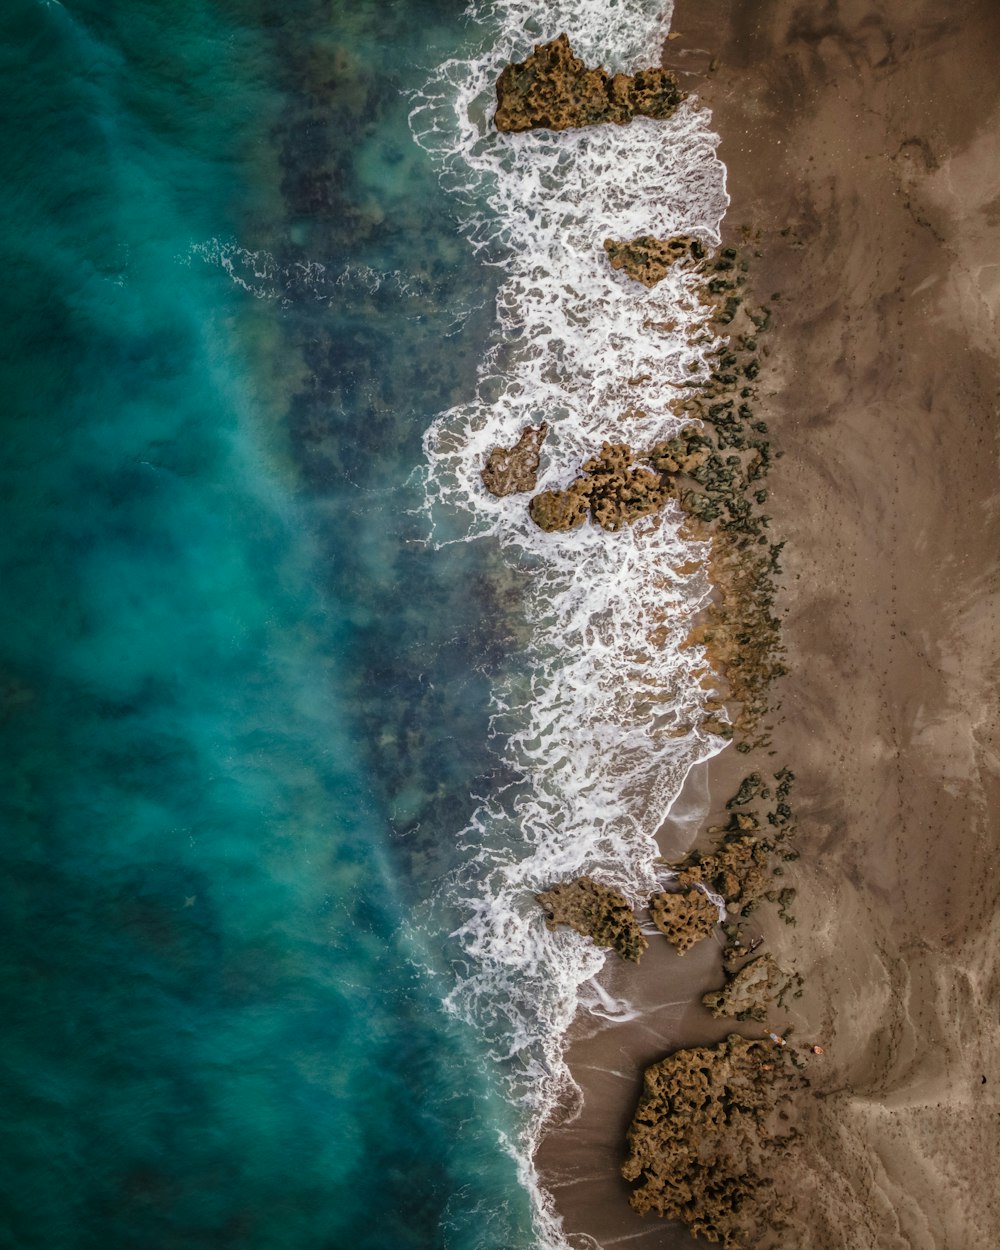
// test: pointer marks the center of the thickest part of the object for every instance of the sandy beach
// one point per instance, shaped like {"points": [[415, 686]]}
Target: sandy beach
{"points": [[862, 141]]}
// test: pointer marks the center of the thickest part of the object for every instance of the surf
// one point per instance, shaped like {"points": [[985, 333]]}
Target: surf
{"points": [[600, 720]]}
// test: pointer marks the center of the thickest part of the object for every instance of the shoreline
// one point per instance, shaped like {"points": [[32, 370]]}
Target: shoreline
{"points": [[869, 198]]}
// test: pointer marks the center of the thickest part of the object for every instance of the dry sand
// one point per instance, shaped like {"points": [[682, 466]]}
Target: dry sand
{"points": [[863, 143]]}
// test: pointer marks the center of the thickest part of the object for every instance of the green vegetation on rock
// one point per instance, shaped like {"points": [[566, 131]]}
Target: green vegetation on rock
{"points": [[554, 90], [511, 470]]}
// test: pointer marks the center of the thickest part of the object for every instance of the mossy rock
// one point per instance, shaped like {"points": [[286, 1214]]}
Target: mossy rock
{"points": [[511, 470], [647, 259], [598, 912], [553, 89], [684, 916]]}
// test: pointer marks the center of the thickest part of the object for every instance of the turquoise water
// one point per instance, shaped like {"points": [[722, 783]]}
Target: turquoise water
{"points": [[241, 708]]}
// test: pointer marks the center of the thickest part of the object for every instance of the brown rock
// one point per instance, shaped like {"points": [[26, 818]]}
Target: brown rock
{"points": [[598, 912], [647, 259], [739, 870], [553, 90], [685, 917], [750, 992], [698, 1141], [555, 510], [612, 488], [684, 454], [509, 470], [618, 485]]}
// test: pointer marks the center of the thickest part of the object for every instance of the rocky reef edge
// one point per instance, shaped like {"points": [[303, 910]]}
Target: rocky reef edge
{"points": [[554, 90]]}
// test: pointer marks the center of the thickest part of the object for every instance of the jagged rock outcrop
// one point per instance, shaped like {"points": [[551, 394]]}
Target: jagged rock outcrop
{"points": [[646, 259], [554, 90], [684, 454], [701, 1141], [598, 912], [510, 470], [739, 869], [618, 485], [748, 993], [613, 489], [685, 917]]}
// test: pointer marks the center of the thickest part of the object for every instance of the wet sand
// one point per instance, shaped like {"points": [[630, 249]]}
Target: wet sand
{"points": [[863, 147]]}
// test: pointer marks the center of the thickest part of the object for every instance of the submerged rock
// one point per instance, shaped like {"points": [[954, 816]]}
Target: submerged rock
{"points": [[598, 912], [700, 1139], [749, 992], [684, 917], [510, 470], [554, 90], [646, 259]]}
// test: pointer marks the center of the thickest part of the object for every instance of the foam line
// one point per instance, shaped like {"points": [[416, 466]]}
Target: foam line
{"points": [[601, 720]]}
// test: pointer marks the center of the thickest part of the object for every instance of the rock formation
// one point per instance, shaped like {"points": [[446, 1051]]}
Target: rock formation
{"points": [[748, 994], [553, 90], [685, 917], [509, 470], [598, 912], [647, 259], [612, 489], [700, 1136], [750, 787], [739, 869], [740, 630], [618, 485], [684, 454]]}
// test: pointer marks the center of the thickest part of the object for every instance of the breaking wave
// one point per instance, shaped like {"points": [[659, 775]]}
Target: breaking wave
{"points": [[601, 720]]}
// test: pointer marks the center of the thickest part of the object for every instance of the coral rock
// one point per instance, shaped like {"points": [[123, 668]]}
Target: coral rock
{"points": [[685, 917], [553, 90], [556, 510], [647, 259], [612, 489], [750, 992], [700, 1136], [684, 454], [598, 912], [618, 485], [615, 488], [739, 870], [509, 470]]}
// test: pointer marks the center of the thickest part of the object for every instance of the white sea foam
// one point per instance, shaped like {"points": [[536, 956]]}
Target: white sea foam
{"points": [[261, 274], [601, 720]]}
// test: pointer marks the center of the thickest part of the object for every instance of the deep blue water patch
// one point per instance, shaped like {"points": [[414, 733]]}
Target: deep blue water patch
{"points": [[241, 709]]}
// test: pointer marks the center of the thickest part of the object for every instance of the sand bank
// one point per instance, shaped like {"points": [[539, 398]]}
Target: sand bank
{"points": [[863, 148]]}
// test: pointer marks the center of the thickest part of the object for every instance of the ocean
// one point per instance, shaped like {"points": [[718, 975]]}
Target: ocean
{"points": [[295, 718]]}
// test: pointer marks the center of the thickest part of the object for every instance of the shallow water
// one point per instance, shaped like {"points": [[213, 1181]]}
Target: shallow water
{"points": [[284, 753], [239, 704]]}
